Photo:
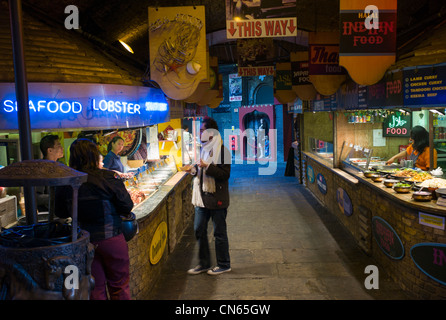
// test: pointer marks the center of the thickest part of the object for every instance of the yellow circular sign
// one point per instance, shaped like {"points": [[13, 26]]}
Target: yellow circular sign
{"points": [[158, 243]]}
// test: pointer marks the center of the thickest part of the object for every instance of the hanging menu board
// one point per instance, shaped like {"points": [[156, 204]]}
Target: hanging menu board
{"points": [[388, 92], [425, 86]]}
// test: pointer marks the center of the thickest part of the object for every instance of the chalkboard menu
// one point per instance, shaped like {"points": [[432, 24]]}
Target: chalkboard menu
{"points": [[397, 125], [425, 86], [430, 258], [387, 239]]}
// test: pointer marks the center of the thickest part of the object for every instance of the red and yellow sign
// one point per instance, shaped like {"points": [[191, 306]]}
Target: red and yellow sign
{"points": [[325, 73], [367, 38]]}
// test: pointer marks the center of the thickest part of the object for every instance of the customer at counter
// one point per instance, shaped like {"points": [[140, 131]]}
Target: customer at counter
{"points": [[102, 200], [51, 149], [418, 151], [210, 197], [112, 160]]}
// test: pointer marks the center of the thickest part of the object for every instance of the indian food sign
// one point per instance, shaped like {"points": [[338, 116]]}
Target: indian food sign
{"points": [[368, 38], [430, 258], [387, 238]]}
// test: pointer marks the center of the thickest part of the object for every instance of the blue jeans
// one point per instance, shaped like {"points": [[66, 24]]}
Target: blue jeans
{"points": [[202, 216]]}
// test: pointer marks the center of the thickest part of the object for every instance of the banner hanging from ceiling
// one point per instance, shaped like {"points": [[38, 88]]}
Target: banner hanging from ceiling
{"points": [[300, 76], [325, 73], [178, 60], [255, 57], [367, 38], [260, 18]]}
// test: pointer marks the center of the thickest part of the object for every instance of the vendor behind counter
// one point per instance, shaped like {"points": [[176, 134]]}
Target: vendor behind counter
{"points": [[418, 151]]}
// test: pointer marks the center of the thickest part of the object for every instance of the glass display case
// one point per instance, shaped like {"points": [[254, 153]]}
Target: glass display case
{"points": [[354, 158], [322, 149], [149, 178]]}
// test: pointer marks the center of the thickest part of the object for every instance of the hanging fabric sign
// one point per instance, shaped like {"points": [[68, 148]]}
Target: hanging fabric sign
{"points": [[300, 76], [324, 70], [368, 38]]}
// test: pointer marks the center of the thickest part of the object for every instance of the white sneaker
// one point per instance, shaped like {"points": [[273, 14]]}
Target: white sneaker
{"points": [[217, 270], [197, 270]]}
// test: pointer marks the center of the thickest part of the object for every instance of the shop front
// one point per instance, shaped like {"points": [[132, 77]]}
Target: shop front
{"points": [[395, 211], [139, 115]]}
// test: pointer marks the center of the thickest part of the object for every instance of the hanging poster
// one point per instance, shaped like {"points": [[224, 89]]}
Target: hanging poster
{"points": [[368, 38], [260, 19], [235, 87], [178, 58]]}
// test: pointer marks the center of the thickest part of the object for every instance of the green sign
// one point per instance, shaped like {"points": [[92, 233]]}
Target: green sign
{"points": [[397, 125]]}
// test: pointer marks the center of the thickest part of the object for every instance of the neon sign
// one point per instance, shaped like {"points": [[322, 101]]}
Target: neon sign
{"points": [[397, 126], [115, 107]]}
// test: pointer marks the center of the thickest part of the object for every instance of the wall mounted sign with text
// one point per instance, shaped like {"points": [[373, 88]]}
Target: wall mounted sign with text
{"points": [[79, 105], [310, 174], [430, 258], [158, 243], [387, 238], [344, 202], [321, 183]]}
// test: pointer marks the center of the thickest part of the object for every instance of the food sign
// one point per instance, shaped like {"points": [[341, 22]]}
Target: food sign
{"points": [[397, 125], [430, 258], [387, 238], [368, 38]]}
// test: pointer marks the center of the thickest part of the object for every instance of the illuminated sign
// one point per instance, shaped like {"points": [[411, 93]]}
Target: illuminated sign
{"points": [[71, 106], [397, 125]]}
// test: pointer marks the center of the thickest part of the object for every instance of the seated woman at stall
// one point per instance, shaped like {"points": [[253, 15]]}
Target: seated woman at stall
{"points": [[102, 200], [112, 160], [418, 151]]}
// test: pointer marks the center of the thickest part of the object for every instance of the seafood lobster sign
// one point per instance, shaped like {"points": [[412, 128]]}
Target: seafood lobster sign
{"points": [[178, 61], [368, 38]]}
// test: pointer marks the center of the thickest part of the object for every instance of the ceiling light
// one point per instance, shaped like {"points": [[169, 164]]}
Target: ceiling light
{"points": [[126, 46], [436, 111]]}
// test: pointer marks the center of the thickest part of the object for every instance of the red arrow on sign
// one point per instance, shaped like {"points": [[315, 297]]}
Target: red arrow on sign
{"points": [[232, 30], [292, 27]]}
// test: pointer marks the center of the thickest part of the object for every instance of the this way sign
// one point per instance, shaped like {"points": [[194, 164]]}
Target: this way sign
{"points": [[261, 28]]}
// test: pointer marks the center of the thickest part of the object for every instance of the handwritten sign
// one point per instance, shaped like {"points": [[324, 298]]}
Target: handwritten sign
{"points": [[387, 238], [430, 258]]}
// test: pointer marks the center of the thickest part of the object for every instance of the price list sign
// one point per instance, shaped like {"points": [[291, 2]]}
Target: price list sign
{"points": [[425, 86]]}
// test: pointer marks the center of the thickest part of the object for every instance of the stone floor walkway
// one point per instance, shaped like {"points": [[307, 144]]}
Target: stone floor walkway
{"points": [[284, 246]]}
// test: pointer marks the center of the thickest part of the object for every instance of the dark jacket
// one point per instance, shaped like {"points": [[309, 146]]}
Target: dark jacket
{"points": [[102, 200], [221, 173], [113, 162]]}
